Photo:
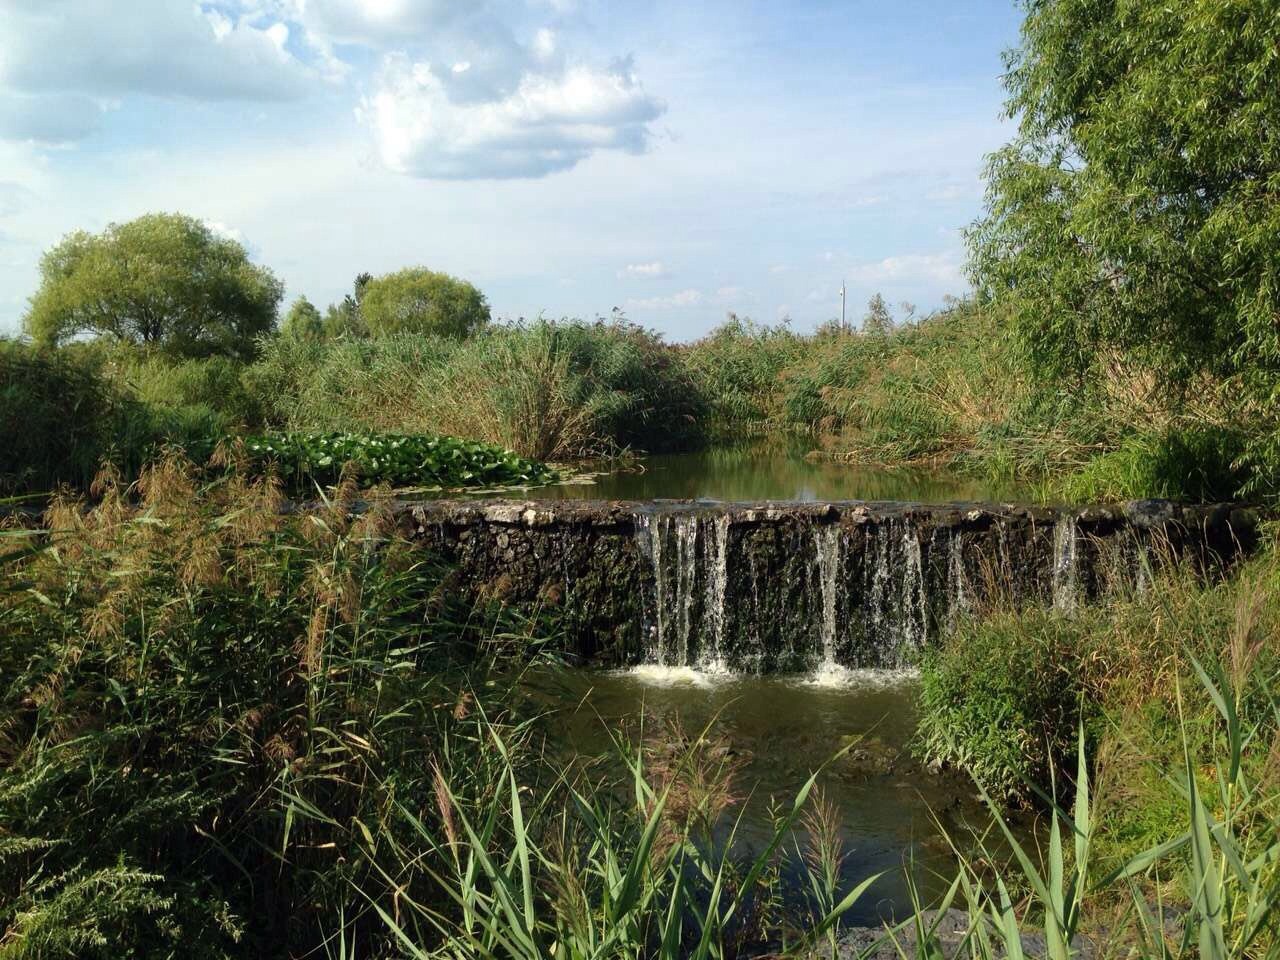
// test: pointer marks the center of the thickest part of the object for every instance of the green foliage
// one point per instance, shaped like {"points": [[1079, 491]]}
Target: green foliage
{"points": [[421, 301], [398, 459], [1193, 464], [1135, 219], [53, 415], [63, 412], [184, 682], [546, 390], [1001, 699], [738, 366], [303, 321], [878, 320], [165, 280], [578, 873], [212, 387]]}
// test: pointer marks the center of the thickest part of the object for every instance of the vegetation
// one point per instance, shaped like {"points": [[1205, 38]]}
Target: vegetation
{"points": [[227, 730], [184, 680], [1132, 227], [418, 300], [546, 390], [399, 459], [162, 280]]}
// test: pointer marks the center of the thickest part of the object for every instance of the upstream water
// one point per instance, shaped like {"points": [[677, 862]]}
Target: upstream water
{"points": [[777, 730], [772, 471]]}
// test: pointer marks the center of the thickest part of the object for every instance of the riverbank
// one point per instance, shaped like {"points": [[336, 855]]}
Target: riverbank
{"points": [[948, 392]]}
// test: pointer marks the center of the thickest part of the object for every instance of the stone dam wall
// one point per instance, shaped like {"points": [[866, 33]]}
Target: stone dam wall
{"points": [[794, 586]]}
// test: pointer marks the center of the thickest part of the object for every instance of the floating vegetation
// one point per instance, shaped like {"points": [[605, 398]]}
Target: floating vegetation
{"points": [[397, 459]]}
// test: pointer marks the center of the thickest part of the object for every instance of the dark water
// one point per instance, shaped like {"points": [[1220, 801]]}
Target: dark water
{"points": [[780, 729], [770, 472]]}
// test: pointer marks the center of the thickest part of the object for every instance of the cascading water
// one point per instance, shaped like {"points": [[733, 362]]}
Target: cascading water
{"points": [[827, 555], [726, 590], [716, 540], [1065, 576]]}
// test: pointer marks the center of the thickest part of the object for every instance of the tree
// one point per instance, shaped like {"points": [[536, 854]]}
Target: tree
{"points": [[344, 318], [417, 300], [163, 280], [878, 320], [303, 321], [1136, 215]]}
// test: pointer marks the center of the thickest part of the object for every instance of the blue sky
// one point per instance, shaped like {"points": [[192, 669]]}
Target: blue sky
{"points": [[677, 160]]}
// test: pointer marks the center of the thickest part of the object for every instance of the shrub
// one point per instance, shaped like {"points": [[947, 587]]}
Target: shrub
{"points": [[1003, 698], [1195, 463]]}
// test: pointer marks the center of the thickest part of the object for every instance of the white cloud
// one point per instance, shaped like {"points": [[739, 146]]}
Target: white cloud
{"points": [[945, 269], [105, 48], [643, 271], [549, 122], [685, 298]]}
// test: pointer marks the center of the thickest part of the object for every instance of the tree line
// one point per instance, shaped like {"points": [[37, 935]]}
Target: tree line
{"points": [[168, 281]]}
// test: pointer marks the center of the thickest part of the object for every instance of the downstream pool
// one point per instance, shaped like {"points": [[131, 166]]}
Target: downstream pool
{"points": [[776, 730], [765, 472]]}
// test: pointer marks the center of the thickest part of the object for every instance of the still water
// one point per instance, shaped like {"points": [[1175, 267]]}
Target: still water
{"points": [[767, 472], [777, 730]]}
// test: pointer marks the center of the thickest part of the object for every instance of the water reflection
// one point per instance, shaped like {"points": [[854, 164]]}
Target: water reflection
{"points": [[771, 472]]}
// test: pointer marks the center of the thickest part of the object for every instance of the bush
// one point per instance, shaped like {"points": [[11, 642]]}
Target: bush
{"points": [[1003, 698], [1195, 463], [53, 416]]}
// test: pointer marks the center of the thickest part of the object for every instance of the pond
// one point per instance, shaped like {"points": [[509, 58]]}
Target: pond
{"points": [[766, 472], [778, 730]]}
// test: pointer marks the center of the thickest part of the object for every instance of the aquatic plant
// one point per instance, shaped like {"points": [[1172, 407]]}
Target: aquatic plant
{"points": [[400, 459]]}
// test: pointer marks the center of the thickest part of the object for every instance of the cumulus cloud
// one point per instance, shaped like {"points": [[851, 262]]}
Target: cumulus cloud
{"points": [[685, 298], [550, 121], [643, 271], [104, 49]]}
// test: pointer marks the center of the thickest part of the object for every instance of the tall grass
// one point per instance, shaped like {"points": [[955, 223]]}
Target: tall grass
{"points": [[546, 390], [185, 676]]}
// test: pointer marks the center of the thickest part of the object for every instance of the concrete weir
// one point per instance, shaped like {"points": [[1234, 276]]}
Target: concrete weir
{"points": [[796, 586]]}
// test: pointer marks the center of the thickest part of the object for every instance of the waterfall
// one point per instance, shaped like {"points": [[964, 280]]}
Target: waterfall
{"points": [[958, 602], [716, 540], [739, 588], [686, 530], [827, 555], [1065, 576]]}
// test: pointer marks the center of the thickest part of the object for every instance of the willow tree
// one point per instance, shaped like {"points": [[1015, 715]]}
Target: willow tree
{"points": [[163, 280], [1136, 214]]}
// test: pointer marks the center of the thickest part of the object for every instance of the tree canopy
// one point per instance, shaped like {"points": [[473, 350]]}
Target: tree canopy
{"points": [[1136, 215], [418, 300], [303, 321], [164, 280]]}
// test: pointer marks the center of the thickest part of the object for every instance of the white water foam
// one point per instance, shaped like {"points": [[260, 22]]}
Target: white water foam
{"points": [[660, 675], [832, 676]]}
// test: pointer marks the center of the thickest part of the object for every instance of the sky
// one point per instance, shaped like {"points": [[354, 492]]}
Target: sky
{"points": [[675, 160]]}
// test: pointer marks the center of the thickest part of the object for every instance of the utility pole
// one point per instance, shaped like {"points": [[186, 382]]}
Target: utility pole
{"points": [[843, 329]]}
